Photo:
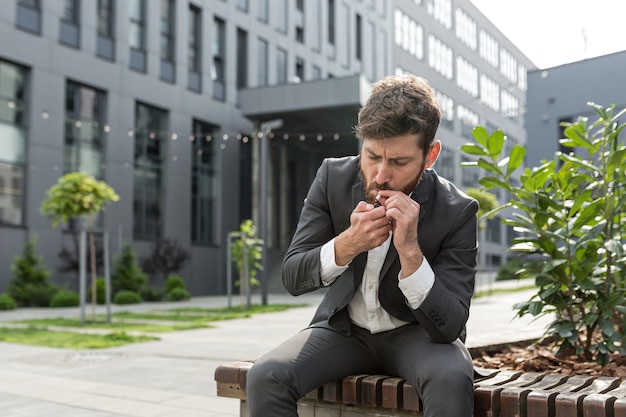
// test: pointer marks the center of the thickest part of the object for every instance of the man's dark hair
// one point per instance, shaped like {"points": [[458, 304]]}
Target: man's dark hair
{"points": [[400, 105]]}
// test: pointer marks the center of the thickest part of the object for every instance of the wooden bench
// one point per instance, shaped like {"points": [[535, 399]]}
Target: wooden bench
{"points": [[503, 393]]}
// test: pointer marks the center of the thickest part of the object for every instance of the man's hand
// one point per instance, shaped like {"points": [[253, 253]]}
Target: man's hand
{"points": [[369, 228], [403, 213]]}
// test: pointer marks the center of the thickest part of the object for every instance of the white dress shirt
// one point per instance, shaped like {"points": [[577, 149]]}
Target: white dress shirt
{"points": [[364, 308]]}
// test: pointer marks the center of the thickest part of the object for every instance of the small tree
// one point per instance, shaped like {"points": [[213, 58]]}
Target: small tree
{"points": [[254, 251], [571, 212], [166, 257], [29, 283], [77, 194], [126, 273]]}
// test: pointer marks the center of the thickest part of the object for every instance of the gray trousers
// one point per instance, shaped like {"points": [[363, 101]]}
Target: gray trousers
{"points": [[442, 374]]}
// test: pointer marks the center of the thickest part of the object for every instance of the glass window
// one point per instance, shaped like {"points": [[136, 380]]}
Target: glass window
{"points": [[409, 35], [242, 58], [136, 29], [29, 15], [263, 51], [466, 76], [195, 37], [70, 11], [263, 9], [445, 165], [204, 184], [219, 50], [331, 22], [282, 15], [440, 57], [441, 10], [508, 66], [488, 48], [281, 66], [358, 37], [466, 29], [446, 104], [105, 18], [84, 134], [167, 30], [150, 137], [13, 107], [489, 93]]}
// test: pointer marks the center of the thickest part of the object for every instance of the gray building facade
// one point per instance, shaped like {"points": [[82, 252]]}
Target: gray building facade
{"points": [[560, 94], [164, 100]]}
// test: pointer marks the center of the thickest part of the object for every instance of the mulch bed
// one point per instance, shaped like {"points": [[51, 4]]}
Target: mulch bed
{"points": [[530, 356]]}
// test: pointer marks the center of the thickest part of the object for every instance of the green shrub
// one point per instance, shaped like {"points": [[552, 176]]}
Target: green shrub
{"points": [[174, 281], [151, 294], [28, 274], [65, 298], [178, 294], [100, 291], [7, 302], [127, 297], [126, 272], [509, 270]]}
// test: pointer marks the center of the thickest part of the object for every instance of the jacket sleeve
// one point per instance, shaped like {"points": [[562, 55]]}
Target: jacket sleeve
{"points": [[301, 264], [445, 310]]}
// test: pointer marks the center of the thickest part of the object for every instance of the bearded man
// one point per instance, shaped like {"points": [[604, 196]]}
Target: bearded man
{"points": [[394, 245]]}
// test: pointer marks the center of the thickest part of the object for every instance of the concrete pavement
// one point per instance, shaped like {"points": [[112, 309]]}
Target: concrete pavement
{"points": [[173, 377]]}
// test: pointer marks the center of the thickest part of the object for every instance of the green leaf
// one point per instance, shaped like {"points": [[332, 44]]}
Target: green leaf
{"points": [[481, 135], [515, 159], [495, 143], [489, 166], [473, 149], [588, 213]]}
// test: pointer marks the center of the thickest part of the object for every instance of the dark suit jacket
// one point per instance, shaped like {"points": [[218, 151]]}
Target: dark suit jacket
{"points": [[447, 237]]}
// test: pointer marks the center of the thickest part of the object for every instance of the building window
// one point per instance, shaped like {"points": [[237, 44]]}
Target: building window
{"points": [[509, 105], [263, 51], [29, 15], [299, 69], [263, 10], [488, 48], [137, 34], [446, 104], [317, 73], [489, 93], [281, 66], [168, 50], [105, 42], [282, 19], [508, 66], [13, 111], [441, 10], [242, 58], [409, 35], [150, 139], [494, 230], [300, 5], [219, 59], [69, 26], [84, 129], [194, 58], [468, 119], [521, 78], [203, 184], [466, 76], [242, 5], [469, 176], [466, 29], [331, 22], [440, 57], [358, 37], [445, 165]]}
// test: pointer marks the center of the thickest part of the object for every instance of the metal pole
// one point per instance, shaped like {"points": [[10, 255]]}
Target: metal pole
{"points": [[264, 200], [82, 273], [265, 128], [246, 274], [229, 269], [107, 274]]}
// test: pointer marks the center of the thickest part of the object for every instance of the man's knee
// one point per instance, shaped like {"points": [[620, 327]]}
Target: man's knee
{"points": [[266, 375]]}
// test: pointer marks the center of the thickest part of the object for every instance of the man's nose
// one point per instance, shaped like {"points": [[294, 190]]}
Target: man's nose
{"points": [[384, 173]]}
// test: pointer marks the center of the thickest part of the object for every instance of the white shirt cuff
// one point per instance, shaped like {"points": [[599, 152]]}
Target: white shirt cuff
{"points": [[329, 269], [416, 286]]}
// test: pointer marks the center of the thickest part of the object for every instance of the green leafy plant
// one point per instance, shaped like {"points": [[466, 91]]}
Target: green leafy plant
{"points": [[78, 194], [178, 294], [571, 213], [7, 302], [253, 254], [29, 284], [126, 273], [174, 281], [127, 297], [65, 298]]}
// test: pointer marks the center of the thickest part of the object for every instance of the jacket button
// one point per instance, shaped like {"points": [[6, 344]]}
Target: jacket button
{"points": [[332, 310]]}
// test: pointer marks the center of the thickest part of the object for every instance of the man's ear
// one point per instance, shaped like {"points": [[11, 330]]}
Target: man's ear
{"points": [[433, 154]]}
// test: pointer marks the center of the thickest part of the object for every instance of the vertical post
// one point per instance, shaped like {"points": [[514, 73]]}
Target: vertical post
{"points": [[265, 128], [246, 274], [107, 273], [82, 273], [229, 268]]}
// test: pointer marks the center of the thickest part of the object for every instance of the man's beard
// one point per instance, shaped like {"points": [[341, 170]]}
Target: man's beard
{"points": [[408, 189]]}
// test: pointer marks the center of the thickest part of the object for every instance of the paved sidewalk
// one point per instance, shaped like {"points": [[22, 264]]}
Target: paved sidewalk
{"points": [[173, 377]]}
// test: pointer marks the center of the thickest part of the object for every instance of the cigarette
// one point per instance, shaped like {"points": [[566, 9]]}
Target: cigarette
{"points": [[377, 202]]}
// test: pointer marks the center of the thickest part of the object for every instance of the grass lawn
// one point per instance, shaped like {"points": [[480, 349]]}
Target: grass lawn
{"points": [[125, 327]]}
